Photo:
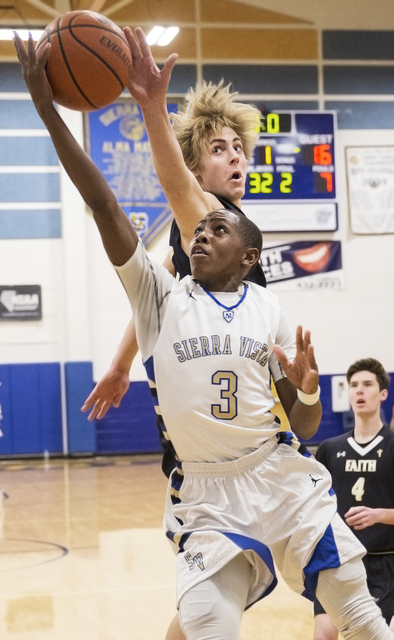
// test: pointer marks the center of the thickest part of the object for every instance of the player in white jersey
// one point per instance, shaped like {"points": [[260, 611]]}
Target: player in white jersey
{"points": [[244, 494]]}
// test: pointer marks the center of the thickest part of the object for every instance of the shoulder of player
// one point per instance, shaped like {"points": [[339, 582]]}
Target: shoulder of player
{"points": [[387, 434], [333, 443], [137, 261], [267, 296]]}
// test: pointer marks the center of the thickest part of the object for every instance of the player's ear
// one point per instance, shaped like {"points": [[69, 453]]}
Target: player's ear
{"points": [[198, 176], [384, 394], [251, 256]]}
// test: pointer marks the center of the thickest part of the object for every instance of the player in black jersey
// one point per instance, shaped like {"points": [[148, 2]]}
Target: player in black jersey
{"points": [[201, 162], [361, 463]]}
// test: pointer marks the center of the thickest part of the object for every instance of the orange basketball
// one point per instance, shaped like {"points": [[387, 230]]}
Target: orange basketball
{"points": [[89, 60]]}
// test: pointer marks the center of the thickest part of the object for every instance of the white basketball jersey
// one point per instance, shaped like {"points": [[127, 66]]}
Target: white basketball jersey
{"points": [[210, 357]]}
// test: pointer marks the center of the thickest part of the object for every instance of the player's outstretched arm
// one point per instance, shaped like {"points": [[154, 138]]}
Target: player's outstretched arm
{"points": [[148, 85], [118, 235], [116, 381], [302, 374]]}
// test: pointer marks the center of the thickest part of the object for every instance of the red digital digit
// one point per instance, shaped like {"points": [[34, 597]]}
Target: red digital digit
{"points": [[328, 178], [321, 154]]}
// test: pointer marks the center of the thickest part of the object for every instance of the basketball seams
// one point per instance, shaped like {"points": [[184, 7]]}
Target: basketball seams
{"points": [[70, 71], [89, 60], [95, 26], [104, 62]]}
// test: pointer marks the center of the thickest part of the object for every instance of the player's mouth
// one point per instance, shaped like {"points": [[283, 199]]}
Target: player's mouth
{"points": [[197, 250], [237, 175], [314, 258]]}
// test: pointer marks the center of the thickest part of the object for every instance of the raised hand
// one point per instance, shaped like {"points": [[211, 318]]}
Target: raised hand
{"points": [[302, 371], [108, 391], [33, 70], [147, 82]]}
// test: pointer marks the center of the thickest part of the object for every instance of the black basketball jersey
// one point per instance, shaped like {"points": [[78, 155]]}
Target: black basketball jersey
{"points": [[363, 475], [181, 261]]}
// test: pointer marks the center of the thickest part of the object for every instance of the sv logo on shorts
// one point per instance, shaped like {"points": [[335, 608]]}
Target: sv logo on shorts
{"points": [[194, 561]]}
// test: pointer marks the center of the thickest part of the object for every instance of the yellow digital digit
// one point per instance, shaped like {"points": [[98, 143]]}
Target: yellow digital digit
{"points": [[266, 182], [273, 123], [254, 183], [227, 393], [287, 179]]}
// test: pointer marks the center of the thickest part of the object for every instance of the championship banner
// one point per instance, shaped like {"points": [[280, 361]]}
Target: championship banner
{"points": [[310, 265], [117, 142]]}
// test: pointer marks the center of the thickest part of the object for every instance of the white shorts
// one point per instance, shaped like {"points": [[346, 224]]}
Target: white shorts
{"points": [[273, 504]]}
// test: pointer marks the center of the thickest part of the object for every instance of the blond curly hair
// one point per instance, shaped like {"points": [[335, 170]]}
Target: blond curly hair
{"points": [[211, 107]]}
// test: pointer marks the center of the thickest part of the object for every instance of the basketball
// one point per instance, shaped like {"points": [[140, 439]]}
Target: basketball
{"points": [[89, 60]]}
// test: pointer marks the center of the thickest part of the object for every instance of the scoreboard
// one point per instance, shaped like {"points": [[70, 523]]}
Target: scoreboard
{"points": [[294, 159]]}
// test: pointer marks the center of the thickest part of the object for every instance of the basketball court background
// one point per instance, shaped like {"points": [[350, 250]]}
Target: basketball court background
{"points": [[82, 553]]}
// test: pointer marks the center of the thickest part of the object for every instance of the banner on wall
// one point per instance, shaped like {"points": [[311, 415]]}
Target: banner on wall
{"points": [[20, 302], [370, 176], [116, 139], [300, 266]]}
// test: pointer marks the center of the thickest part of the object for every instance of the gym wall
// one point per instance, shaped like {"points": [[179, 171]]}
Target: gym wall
{"points": [[47, 237]]}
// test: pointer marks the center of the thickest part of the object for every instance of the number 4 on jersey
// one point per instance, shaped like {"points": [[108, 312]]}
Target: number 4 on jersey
{"points": [[358, 489]]}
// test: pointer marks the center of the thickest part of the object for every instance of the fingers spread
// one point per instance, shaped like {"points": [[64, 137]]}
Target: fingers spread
{"points": [[133, 44], [20, 47], [280, 354], [103, 410], [143, 43], [299, 339]]}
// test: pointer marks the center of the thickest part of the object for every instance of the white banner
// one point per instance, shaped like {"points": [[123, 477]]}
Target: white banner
{"points": [[306, 216], [370, 174]]}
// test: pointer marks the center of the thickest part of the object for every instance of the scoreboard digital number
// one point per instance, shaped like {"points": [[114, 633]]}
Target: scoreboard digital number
{"points": [[294, 158]]}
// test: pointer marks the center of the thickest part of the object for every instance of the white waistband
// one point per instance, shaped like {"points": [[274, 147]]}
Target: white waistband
{"points": [[231, 467]]}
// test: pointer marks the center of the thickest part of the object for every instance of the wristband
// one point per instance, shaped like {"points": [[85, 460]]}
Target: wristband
{"points": [[308, 398]]}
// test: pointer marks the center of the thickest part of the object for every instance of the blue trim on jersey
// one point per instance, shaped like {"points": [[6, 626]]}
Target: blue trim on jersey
{"points": [[176, 481], [170, 535], [325, 556], [246, 287], [289, 438], [245, 543], [150, 369], [170, 458]]}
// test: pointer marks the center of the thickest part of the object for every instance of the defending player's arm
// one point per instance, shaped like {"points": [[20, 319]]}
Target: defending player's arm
{"points": [[148, 85], [116, 381], [302, 375], [118, 236]]}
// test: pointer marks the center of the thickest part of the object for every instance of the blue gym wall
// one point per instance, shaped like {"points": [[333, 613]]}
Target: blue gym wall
{"points": [[38, 399]]}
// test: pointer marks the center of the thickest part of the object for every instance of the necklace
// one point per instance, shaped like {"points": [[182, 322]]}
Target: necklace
{"points": [[228, 313]]}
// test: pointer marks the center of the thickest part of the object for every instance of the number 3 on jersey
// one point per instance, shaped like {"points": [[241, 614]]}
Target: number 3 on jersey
{"points": [[358, 489], [229, 385]]}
